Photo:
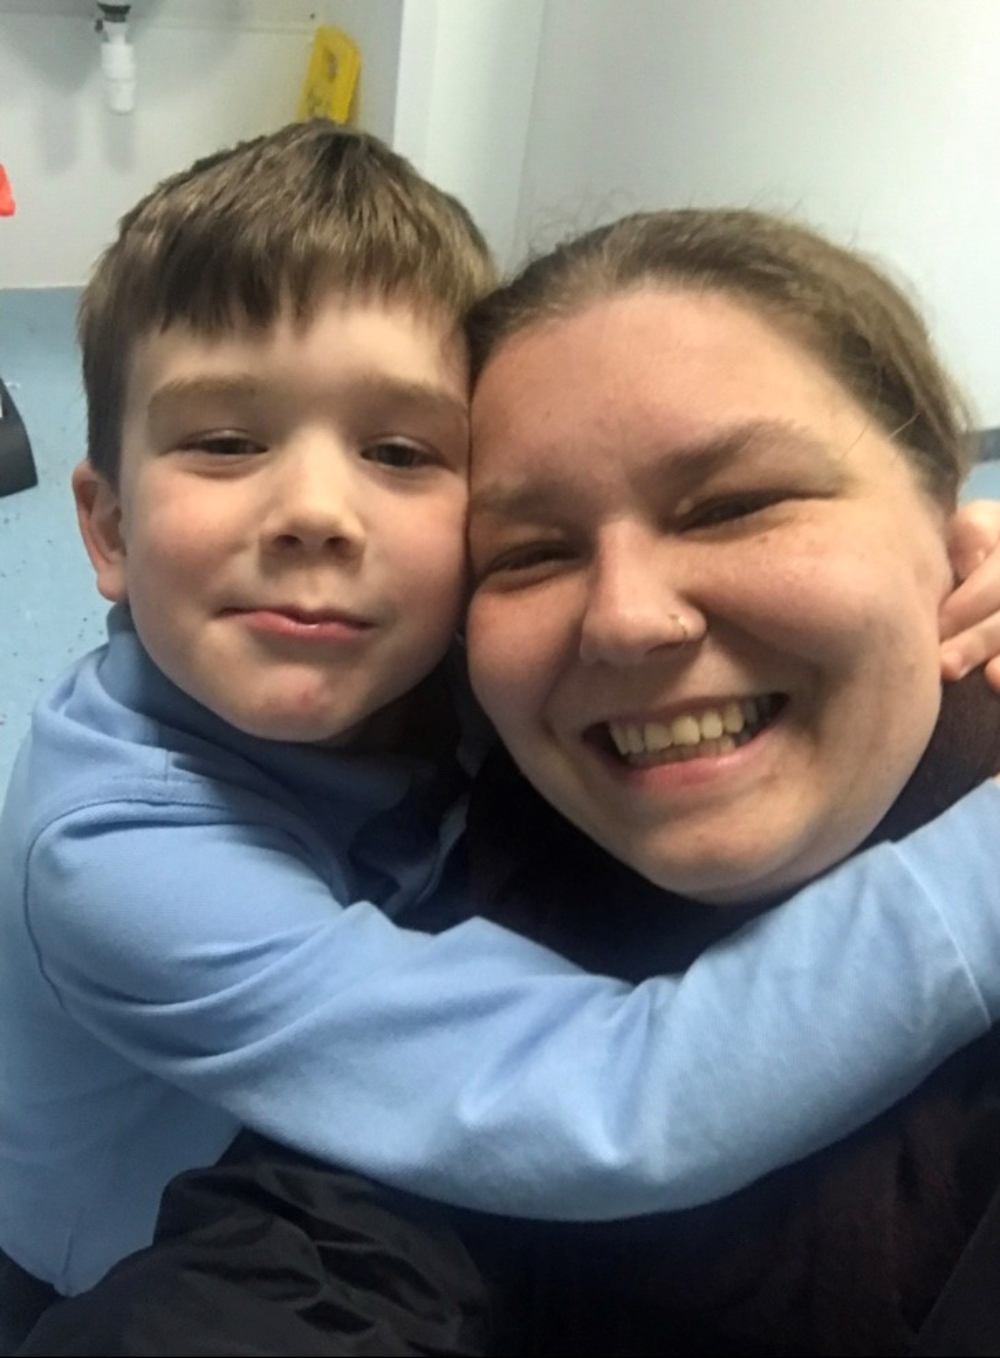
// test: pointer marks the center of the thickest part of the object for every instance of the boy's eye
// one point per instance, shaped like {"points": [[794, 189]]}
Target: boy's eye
{"points": [[398, 455], [223, 445]]}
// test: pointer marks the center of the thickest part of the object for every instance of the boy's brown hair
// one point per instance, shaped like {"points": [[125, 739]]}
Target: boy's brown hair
{"points": [[269, 224]]}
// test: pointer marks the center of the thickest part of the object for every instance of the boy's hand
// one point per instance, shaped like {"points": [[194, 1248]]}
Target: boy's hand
{"points": [[970, 616]]}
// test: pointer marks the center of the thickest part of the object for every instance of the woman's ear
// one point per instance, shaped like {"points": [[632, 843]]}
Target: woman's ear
{"points": [[99, 514]]}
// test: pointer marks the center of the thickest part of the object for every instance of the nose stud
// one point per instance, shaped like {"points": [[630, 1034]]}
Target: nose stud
{"points": [[685, 634]]}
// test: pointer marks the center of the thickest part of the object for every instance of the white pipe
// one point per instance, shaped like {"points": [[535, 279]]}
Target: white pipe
{"points": [[118, 65]]}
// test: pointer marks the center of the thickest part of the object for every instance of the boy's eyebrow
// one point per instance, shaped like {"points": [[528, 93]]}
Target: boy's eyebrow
{"points": [[403, 391], [686, 466], [200, 387], [399, 391]]}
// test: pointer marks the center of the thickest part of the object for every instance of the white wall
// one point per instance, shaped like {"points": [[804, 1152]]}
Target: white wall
{"points": [[211, 72], [375, 25], [449, 82], [464, 99], [878, 120]]}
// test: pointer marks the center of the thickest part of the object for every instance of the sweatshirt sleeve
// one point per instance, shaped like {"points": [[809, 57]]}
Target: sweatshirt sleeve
{"points": [[476, 1067]]}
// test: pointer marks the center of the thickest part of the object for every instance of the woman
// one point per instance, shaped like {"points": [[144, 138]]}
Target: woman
{"points": [[715, 463], [710, 544], [689, 425]]}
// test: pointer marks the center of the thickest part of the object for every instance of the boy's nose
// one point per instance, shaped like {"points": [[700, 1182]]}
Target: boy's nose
{"points": [[633, 605], [314, 502]]}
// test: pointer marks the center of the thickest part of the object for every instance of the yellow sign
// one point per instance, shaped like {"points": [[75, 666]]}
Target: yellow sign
{"points": [[332, 77]]}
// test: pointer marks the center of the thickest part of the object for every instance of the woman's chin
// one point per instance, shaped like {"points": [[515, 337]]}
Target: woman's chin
{"points": [[730, 880]]}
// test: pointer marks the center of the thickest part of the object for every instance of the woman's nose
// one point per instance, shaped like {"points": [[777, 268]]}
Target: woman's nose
{"points": [[634, 605], [314, 501]]}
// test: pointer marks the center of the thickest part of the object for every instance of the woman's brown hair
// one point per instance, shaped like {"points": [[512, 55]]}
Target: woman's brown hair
{"points": [[835, 301]]}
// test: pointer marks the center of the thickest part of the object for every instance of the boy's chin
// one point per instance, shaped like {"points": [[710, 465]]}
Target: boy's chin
{"points": [[288, 728]]}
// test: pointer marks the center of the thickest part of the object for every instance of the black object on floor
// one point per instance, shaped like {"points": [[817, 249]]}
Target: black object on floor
{"points": [[17, 465]]}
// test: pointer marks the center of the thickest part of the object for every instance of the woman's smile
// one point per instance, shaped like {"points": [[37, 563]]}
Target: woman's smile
{"points": [[706, 591], [648, 780], [698, 731]]}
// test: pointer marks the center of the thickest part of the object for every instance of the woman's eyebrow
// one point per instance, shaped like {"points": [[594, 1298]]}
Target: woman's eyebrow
{"points": [[747, 442], [684, 466], [528, 499]]}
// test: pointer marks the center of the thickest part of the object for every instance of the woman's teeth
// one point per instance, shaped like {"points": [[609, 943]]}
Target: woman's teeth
{"points": [[713, 731]]}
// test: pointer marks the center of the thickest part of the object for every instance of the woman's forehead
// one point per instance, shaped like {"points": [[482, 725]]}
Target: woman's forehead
{"points": [[655, 331], [677, 370]]}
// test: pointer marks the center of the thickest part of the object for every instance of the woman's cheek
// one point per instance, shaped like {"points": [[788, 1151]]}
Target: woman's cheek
{"points": [[485, 649], [815, 604], [509, 643]]}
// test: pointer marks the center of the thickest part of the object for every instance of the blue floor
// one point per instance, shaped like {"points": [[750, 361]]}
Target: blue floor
{"points": [[984, 483], [50, 612]]}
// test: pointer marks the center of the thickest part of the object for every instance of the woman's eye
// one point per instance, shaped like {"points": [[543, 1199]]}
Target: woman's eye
{"points": [[527, 561], [732, 509], [222, 445], [398, 456]]}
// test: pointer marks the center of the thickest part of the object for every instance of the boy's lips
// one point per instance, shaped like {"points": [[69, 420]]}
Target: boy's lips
{"points": [[322, 624]]}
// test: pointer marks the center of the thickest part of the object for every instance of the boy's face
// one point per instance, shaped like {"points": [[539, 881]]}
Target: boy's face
{"points": [[289, 525]]}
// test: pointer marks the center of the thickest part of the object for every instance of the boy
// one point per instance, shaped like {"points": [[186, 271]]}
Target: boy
{"points": [[218, 816]]}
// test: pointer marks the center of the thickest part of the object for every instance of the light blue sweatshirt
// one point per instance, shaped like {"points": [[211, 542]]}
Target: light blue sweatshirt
{"points": [[198, 931]]}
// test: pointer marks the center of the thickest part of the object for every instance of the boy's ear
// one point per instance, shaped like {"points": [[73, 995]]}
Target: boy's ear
{"points": [[99, 514]]}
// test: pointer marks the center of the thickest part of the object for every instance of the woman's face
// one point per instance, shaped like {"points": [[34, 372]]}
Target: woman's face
{"points": [[665, 454]]}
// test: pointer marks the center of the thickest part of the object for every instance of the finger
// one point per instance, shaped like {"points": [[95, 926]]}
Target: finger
{"points": [[992, 672], [975, 599], [975, 531], [968, 649]]}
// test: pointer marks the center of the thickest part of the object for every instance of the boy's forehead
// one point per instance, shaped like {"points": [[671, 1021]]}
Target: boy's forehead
{"points": [[385, 345]]}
